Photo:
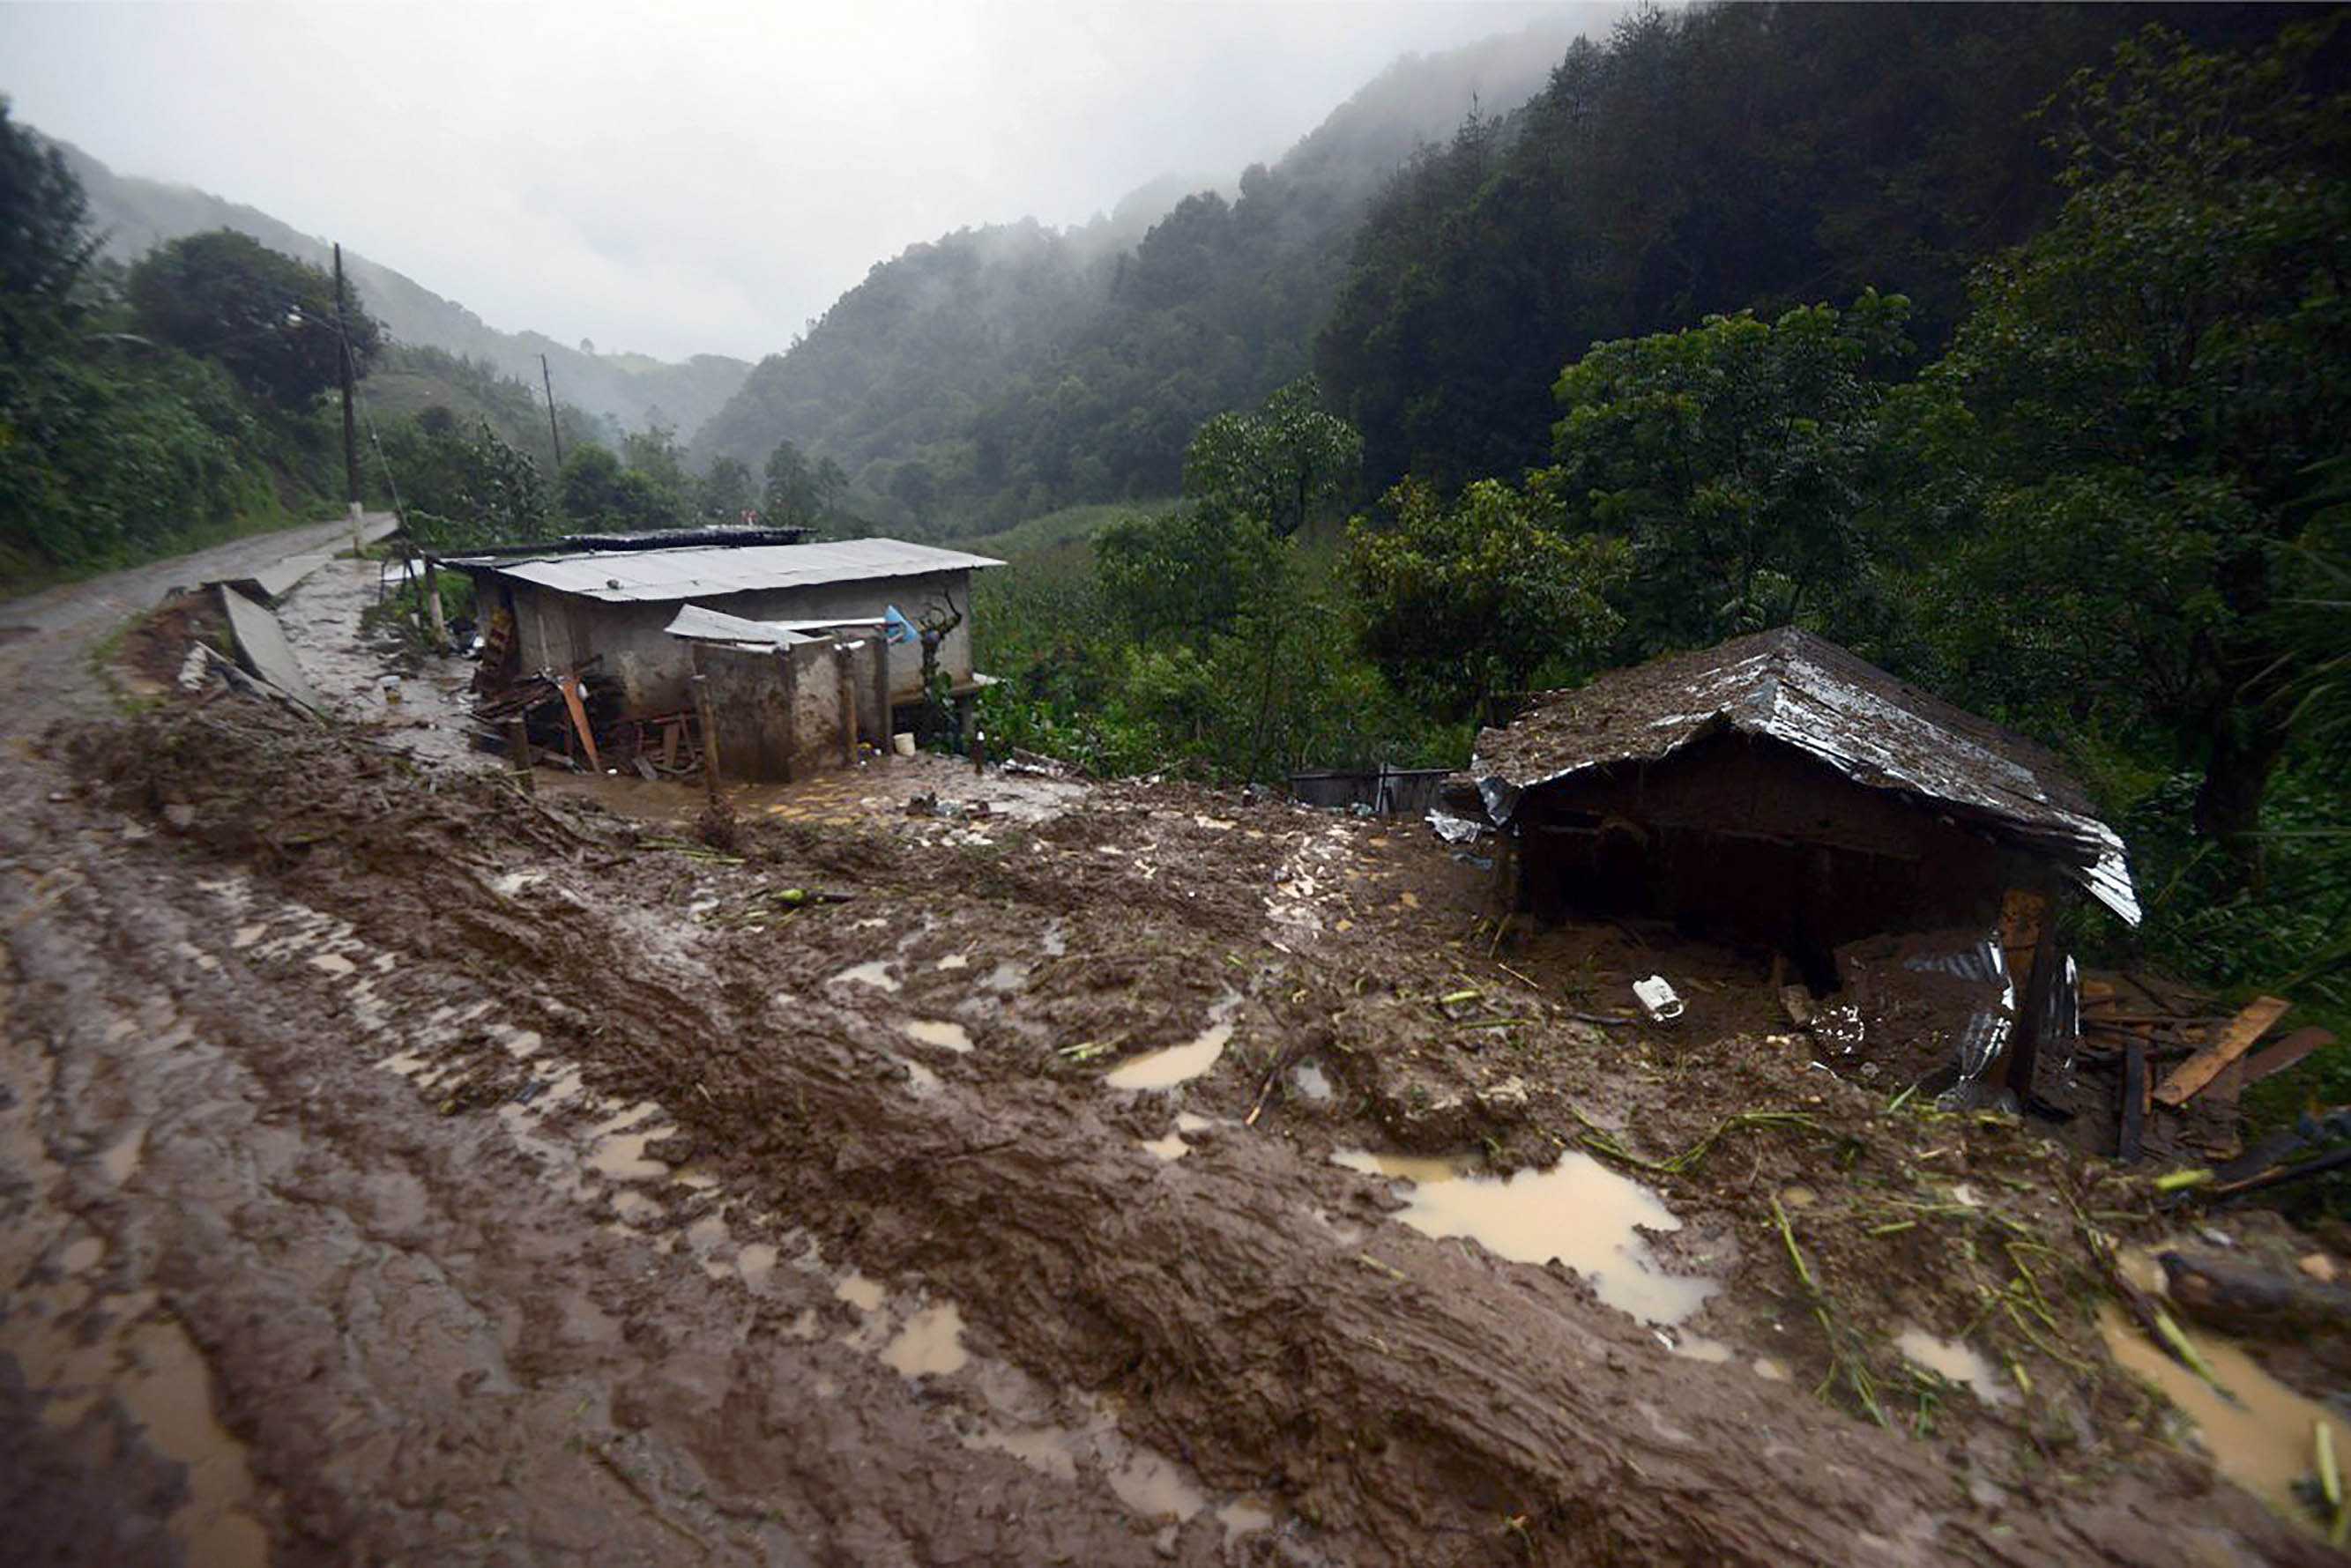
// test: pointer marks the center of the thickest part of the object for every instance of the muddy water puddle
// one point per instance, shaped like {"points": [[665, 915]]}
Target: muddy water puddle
{"points": [[940, 1033], [1955, 1362], [2261, 1435], [1179, 1064], [875, 974], [1578, 1211]]}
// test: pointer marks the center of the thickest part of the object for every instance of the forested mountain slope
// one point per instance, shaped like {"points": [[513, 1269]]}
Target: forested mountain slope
{"points": [[1704, 161], [1006, 370], [136, 214]]}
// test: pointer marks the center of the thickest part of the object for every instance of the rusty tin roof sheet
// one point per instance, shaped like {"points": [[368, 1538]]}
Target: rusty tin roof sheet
{"points": [[1811, 694]]}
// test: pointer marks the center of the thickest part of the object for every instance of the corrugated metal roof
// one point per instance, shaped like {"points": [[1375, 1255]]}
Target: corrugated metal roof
{"points": [[653, 576], [1811, 694]]}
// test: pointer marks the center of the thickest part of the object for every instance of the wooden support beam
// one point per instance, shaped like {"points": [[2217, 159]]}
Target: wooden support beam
{"points": [[791, 674], [848, 689], [2134, 1105], [518, 753], [2192, 1076], [709, 721], [569, 687]]}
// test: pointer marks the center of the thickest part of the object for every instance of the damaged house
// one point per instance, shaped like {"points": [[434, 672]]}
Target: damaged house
{"points": [[1778, 791], [790, 638]]}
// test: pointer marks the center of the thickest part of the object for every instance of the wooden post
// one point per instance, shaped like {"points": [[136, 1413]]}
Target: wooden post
{"points": [[881, 712], [709, 721], [518, 753], [2033, 993], [847, 685], [2134, 1105], [791, 672]]}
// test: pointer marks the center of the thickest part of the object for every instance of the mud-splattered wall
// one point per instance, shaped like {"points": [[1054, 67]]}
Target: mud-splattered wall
{"points": [[648, 668]]}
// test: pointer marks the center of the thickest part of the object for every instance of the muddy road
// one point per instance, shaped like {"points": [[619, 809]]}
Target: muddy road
{"points": [[392, 1169]]}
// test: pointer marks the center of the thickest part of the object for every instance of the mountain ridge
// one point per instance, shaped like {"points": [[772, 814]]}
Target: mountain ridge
{"points": [[135, 214]]}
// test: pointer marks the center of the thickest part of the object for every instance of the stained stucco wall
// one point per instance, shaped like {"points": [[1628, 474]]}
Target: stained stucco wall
{"points": [[649, 667]]}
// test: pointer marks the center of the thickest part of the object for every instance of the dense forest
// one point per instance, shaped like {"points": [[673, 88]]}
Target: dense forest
{"points": [[1004, 371]]}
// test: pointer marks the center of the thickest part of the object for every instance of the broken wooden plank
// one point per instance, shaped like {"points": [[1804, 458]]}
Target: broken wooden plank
{"points": [[2286, 1052], [2134, 1107], [2199, 1070], [571, 688]]}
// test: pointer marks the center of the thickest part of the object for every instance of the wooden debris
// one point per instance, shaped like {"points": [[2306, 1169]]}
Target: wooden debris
{"points": [[2134, 1106], [2242, 1300], [2199, 1070], [2286, 1054]]}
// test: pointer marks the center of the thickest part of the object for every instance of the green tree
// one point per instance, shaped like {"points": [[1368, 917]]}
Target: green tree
{"points": [[725, 491], [461, 490], [598, 493], [1733, 457], [269, 318], [1286, 464], [1183, 574], [2127, 419], [799, 493], [46, 245], [1467, 599], [654, 454]]}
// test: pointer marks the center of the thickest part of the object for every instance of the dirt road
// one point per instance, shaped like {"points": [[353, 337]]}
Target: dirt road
{"points": [[392, 1170]]}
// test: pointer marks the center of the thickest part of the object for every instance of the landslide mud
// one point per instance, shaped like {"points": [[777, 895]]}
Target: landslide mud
{"points": [[439, 1330]]}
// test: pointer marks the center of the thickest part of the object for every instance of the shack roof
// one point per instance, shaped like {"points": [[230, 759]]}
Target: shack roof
{"points": [[656, 576], [1807, 692]]}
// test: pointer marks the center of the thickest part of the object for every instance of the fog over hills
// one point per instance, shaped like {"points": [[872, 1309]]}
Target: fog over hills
{"points": [[631, 389], [1001, 370]]}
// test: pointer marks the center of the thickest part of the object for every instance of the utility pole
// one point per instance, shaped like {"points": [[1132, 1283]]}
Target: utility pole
{"points": [[350, 426], [552, 433]]}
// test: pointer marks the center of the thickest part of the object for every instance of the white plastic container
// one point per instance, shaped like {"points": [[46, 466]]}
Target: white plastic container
{"points": [[1658, 998], [903, 743]]}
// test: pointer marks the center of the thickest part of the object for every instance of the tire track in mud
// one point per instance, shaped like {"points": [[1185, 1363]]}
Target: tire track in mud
{"points": [[1412, 1402], [421, 1348]]}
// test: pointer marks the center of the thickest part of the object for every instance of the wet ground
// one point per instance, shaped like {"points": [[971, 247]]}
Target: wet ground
{"points": [[398, 1170]]}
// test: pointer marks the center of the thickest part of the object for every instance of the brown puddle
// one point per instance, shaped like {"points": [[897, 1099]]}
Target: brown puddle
{"points": [[928, 1343], [1955, 1362], [2263, 1441], [945, 1036], [168, 1389], [1578, 1211], [1177, 1064]]}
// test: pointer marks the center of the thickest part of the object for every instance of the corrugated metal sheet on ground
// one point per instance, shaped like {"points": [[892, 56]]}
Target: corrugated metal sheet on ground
{"points": [[1809, 692], [620, 577]]}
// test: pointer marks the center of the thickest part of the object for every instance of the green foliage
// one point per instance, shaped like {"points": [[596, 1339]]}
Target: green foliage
{"points": [[267, 318], [1701, 161], [799, 493], [1285, 465], [114, 448], [1184, 573], [1467, 599], [411, 382], [46, 244], [461, 491], [2129, 416], [725, 493], [1732, 458], [598, 493]]}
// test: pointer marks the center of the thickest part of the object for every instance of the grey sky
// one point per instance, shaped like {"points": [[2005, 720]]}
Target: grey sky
{"points": [[681, 179]]}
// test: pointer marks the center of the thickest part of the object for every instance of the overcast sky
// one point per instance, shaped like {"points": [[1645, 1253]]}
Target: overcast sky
{"points": [[681, 179]]}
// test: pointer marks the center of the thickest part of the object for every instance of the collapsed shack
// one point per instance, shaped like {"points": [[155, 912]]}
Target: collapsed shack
{"points": [[1778, 791], [769, 654]]}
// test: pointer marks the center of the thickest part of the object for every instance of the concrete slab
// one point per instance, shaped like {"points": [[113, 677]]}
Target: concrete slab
{"points": [[261, 647]]}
